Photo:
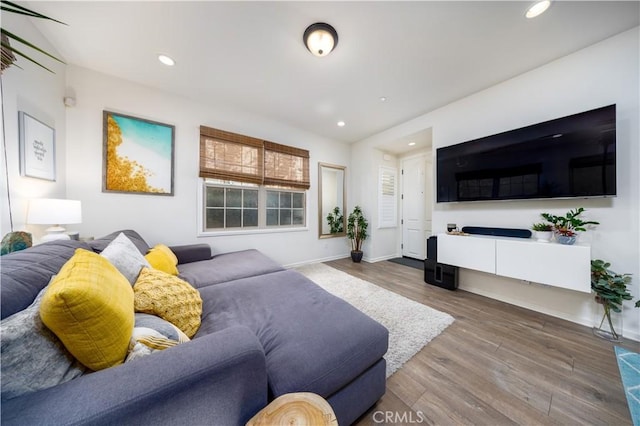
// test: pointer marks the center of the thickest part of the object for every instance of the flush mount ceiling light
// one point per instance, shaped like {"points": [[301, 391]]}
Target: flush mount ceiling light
{"points": [[320, 38], [166, 60], [341, 123], [538, 8]]}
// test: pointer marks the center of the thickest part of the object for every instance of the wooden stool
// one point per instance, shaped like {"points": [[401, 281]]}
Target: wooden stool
{"points": [[296, 409]]}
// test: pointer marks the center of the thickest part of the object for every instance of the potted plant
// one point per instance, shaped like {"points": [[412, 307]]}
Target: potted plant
{"points": [[610, 290], [336, 221], [356, 232], [543, 231], [566, 227]]}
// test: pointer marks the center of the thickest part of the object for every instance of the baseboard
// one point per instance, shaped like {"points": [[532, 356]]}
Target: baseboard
{"points": [[379, 259], [319, 260]]}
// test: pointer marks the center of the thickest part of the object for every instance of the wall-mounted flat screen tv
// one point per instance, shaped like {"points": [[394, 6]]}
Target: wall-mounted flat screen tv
{"points": [[573, 156]]}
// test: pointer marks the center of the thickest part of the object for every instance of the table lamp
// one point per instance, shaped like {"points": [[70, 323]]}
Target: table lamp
{"points": [[56, 212]]}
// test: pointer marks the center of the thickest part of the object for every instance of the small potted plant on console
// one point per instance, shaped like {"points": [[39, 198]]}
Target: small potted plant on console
{"points": [[543, 231], [566, 227]]}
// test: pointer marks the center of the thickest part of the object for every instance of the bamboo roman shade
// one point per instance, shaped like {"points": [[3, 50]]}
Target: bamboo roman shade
{"points": [[229, 156], [286, 166]]}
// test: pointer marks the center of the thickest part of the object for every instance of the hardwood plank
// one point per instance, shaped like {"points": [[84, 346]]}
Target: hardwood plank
{"points": [[497, 364]]}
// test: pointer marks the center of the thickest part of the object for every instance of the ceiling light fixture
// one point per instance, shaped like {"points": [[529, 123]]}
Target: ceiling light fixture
{"points": [[166, 60], [320, 38], [341, 123], [383, 98], [538, 8], [412, 143]]}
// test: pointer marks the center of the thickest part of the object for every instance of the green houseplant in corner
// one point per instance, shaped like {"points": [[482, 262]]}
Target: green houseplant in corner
{"points": [[357, 232], [611, 291]]}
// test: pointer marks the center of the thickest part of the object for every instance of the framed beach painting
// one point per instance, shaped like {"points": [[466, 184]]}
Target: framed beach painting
{"points": [[37, 148], [138, 155]]}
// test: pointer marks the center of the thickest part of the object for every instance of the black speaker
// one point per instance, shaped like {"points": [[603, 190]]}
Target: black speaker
{"points": [[498, 232], [441, 275], [432, 248]]}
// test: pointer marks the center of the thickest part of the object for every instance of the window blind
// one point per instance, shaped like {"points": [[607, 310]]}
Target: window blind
{"points": [[387, 197], [286, 166], [229, 156]]}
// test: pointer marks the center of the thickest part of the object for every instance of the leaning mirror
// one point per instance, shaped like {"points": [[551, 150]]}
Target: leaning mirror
{"points": [[331, 200]]}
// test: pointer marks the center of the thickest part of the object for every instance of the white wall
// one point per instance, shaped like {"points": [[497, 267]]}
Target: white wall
{"points": [[173, 220], [40, 94], [599, 75]]}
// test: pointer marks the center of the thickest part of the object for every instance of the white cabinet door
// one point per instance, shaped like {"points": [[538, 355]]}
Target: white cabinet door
{"points": [[546, 263], [477, 253]]}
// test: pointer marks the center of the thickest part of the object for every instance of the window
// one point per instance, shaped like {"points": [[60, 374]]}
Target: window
{"points": [[285, 208], [228, 207], [237, 206], [250, 183]]}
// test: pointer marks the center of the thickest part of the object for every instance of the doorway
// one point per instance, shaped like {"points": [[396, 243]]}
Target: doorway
{"points": [[416, 214]]}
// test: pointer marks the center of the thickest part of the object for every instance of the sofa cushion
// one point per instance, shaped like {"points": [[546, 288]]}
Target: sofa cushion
{"points": [[170, 298], [101, 243], [33, 358], [24, 273], [313, 341], [228, 267], [89, 306], [151, 334], [162, 258], [124, 255]]}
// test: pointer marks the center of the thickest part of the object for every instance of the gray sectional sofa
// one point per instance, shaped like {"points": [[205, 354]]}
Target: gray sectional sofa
{"points": [[265, 331]]}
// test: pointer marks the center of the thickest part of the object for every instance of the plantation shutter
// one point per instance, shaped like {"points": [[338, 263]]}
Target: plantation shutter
{"points": [[387, 198], [286, 166], [229, 156]]}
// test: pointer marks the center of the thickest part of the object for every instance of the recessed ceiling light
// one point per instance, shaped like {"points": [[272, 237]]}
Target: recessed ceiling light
{"points": [[166, 60], [341, 123], [537, 8], [412, 143], [383, 98]]}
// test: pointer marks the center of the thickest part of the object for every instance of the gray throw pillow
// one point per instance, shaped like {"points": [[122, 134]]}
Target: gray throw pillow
{"points": [[151, 334], [33, 358], [126, 257]]}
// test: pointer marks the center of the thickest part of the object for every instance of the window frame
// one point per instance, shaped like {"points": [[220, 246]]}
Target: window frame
{"points": [[262, 228]]}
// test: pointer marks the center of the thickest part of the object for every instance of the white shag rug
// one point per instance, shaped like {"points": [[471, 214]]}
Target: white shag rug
{"points": [[411, 324]]}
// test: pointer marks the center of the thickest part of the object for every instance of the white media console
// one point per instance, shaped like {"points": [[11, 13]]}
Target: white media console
{"points": [[566, 266]]}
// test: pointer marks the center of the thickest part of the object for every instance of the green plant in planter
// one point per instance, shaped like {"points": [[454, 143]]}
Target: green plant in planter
{"points": [[9, 52], [357, 232], [569, 224], [542, 227], [611, 290], [336, 221]]}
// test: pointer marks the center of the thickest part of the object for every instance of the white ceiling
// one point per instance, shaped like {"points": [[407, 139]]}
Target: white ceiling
{"points": [[250, 55]]}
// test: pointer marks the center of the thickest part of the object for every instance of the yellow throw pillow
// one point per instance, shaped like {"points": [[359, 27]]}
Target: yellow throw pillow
{"points": [[89, 306], [162, 258], [170, 298]]}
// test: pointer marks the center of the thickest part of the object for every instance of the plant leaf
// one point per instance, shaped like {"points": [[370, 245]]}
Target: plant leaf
{"points": [[23, 41], [14, 50], [24, 11]]}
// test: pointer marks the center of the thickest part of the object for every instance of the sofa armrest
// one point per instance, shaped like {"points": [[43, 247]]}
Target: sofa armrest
{"points": [[219, 378], [191, 252]]}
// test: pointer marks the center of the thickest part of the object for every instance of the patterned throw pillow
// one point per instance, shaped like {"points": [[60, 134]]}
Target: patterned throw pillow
{"points": [[89, 306], [151, 334], [126, 257], [33, 358], [170, 298], [161, 257]]}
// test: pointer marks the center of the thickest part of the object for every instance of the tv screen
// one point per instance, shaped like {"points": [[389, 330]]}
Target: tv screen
{"points": [[573, 156]]}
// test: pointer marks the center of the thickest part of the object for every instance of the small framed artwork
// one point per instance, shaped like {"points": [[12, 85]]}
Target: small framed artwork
{"points": [[37, 148], [138, 155]]}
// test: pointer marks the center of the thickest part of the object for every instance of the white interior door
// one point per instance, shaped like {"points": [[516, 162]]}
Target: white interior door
{"points": [[413, 207]]}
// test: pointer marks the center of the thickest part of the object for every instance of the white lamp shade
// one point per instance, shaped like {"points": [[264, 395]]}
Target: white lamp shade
{"points": [[50, 211]]}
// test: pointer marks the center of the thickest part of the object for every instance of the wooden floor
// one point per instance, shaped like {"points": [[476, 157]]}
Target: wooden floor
{"points": [[497, 364]]}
